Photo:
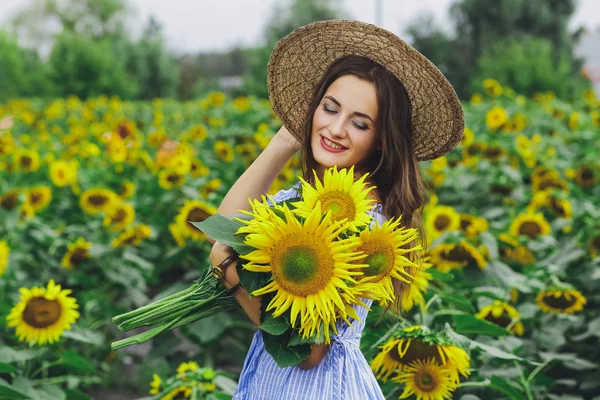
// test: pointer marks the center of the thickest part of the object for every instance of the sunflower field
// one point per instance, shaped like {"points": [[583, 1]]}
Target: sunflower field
{"points": [[95, 199]]}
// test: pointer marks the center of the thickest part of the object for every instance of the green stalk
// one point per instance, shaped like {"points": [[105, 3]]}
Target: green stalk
{"points": [[152, 306]]}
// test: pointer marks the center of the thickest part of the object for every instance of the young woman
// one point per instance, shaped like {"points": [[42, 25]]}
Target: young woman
{"points": [[348, 94]]}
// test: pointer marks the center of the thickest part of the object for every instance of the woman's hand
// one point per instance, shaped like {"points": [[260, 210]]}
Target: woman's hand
{"points": [[287, 139], [218, 254]]}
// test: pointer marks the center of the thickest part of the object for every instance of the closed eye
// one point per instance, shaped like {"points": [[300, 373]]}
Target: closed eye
{"points": [[328, 111]]}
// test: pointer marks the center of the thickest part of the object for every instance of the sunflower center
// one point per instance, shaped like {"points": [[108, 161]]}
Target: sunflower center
{"points": [[340, 205], [119, 215], [378, 264], [426, 381], [26, 161], [531, 229], [35, 197], [417, 350], [465, 223], [301, 264], [9, 201], [41, 312], [98, 199], [503, 320], [560, 302], [587, 174], [458, 253], [173, 178], [442, 222], [79, 255]]}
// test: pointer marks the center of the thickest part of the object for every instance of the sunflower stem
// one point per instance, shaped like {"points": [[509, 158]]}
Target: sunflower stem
{"points": [[151, 306], [538, 369]]}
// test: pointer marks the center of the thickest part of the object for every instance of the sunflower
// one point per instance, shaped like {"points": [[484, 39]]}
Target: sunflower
{"points": [[549, 182], [197, 169], [181, 164], [97, 200], [126, 189], [310, 267], [155, 384], [10, 199], [496, 117], [43, 314], [531, 225], [503, 314], [473, 225], [416, 289], [26, 211], [339, 194], [186, 366], [440, 219], [468, 138], [169, 179], [385, 247], [493, 153], [177, 235], [418, 343], [560, 207], [63, 173], [197, 133], [224, 151], [132, 236], [476, 98], [39, 197], [76, 253], [4, 254], [585, 176], [492, 87], [26, 160], [119, 217], [447, 256], [560, 300], [426, 380], [193, 211], [210, 187]]}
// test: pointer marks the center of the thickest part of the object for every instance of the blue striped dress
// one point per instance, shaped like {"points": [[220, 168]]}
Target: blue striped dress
{"points": [[343, 374]]}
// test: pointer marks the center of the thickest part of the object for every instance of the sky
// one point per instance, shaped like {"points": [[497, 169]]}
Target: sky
{"points": [[192, 26]]}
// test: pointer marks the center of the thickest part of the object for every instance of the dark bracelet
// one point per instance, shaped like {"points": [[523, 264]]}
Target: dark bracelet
{"points": [[219, 271], [234, 288]]}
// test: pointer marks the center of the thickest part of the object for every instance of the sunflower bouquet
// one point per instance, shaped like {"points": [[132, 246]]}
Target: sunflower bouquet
{"points": [[312, 260]]}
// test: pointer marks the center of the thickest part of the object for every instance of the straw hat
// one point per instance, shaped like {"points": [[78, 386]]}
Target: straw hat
{"points": [[300, 59]]}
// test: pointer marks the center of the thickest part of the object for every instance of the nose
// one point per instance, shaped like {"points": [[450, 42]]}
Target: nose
{"points": [[336, 128]]}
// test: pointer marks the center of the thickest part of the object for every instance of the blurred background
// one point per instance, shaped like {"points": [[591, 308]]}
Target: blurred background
{"points": [[122, 120], [144, 49]]}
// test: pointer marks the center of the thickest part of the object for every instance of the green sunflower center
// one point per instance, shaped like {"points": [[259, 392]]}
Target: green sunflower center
{"points": [[302, 264], [530, 228], [426, 381], [41, 313], [380, 258], [378, 264], [299, 264], [340, 204]]}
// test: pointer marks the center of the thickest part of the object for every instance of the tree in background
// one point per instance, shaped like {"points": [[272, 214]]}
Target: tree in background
{"points": [[486, 33], [91, 53], [285, 19]]}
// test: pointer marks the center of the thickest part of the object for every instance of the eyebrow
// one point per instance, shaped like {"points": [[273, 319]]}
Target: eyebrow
{"points": [[355, 112]]}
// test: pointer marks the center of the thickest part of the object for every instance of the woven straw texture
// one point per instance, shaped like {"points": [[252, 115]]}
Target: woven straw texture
{"points": [[300, 59]]}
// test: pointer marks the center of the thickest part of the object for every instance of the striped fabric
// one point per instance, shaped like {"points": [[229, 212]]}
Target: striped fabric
{"points": [[344, 373]]}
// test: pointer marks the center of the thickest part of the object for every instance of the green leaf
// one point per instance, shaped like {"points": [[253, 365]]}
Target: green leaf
{"points": [[274, 326], [506, 388], [137, 260], [8, 392], [284, 355], [469, 324], [84, 335], [490, 350], [10, 355], [74, 394], [222, 229], [209, 328], [44, 392], [296, 339], [461, 302], [440, 276], [491, 243], [6, 368], [71, 359], [252, 280]]}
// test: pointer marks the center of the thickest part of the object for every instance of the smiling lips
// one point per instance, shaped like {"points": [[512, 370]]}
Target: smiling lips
{"points": [[331, 146]]}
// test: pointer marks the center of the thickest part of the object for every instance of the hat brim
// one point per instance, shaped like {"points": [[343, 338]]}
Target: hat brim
{"points": [[300, 59]]}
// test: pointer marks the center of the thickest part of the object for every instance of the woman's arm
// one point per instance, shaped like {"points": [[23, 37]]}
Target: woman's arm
{"points": [[250, 304], [318, 353]]}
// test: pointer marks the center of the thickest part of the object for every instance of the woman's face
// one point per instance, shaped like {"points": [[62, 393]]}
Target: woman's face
{"points": [[346, 115]]}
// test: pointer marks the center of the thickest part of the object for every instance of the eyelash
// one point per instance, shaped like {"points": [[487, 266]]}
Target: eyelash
{"points": [[328, 111]]}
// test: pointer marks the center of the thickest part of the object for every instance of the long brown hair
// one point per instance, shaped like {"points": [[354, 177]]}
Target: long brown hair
{"points": [[393, 168]]}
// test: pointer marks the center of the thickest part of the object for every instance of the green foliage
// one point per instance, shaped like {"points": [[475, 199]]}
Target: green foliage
{"points": [[481, 28], [21, 71], [527, 66], [86, 67]]}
